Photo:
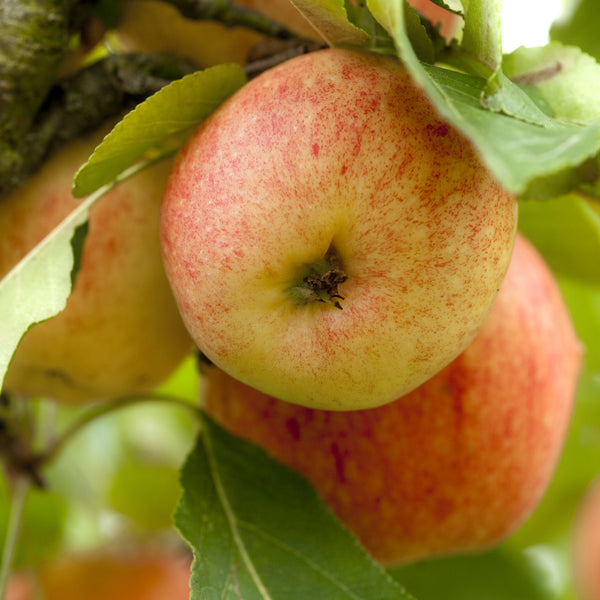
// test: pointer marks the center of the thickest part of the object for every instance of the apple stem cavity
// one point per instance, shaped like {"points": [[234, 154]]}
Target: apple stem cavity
{"points": [[318, 281]]}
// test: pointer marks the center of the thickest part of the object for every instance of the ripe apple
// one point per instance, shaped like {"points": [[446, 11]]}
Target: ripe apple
{"points": [[586, 545], [329, 239], [147, 575], [157, 27], [120, 332], [457, 464], [448, 22]]}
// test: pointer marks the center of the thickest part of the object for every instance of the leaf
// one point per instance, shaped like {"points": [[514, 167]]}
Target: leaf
{"points": [[568, 79], [504, 96], [39, 285], [330, 19], [516, 152], [566, 230], [144, 492], [259, 531], [37, 288], [580, 28], [495, 575], [171, 112]]}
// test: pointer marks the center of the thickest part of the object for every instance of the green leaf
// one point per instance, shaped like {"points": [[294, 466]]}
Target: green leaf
{"points": [[580, 27], [504, 96], [159, 122], [37, 288], [517, 152], [146, 493], [583, 299], [259, 531], [330, 19], [566, 231], [495, 575], [419, 38], [568, 79]]}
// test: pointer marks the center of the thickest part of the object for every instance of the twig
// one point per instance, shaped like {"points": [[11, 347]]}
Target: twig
{"points": [[20, 490], [105, 408], [231, 15]]}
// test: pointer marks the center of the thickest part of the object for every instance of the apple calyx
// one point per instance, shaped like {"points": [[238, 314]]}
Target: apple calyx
{"points": [[318, 281]]}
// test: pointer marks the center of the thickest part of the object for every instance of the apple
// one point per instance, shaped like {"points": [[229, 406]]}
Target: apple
{"points": [[459, 463], [108, 575], [586, 544], [158, 27], [120, 332], [448, 22], [329, 239]]}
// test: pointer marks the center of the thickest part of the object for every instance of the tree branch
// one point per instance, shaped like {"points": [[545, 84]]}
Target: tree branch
{"points": [[34, 39], [231, 15], [83, 101]]}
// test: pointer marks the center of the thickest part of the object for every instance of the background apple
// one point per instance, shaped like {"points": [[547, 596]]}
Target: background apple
{"points": [[120, 332], [448, 22], [586, 545], [110, 575], [156, 27], [459, 463], [332, 176]]}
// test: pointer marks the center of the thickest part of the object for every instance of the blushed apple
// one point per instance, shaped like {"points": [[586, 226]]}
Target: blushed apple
{"points": [[459, 463], [329, 239], [586, 544], [120, 332]]}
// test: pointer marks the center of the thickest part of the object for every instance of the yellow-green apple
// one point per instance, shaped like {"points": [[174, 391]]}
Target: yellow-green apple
{"points": [[457, 464], [329, 239], [120, 332], [157, 27], [586, 545], [110, 575]]}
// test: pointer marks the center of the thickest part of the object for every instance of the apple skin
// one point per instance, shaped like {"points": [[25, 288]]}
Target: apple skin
{"points": [[124, 575], [157, 27], [459, 463], [120, 332], [337, 149], [448, 22], [586, 544]]}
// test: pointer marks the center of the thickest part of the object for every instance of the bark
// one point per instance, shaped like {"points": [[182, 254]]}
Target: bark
{"points": [[37, 113], [231, 15], [34, 37]]}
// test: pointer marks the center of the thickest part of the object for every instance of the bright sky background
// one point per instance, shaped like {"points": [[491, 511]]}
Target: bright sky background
{"points": [[527, 22]]}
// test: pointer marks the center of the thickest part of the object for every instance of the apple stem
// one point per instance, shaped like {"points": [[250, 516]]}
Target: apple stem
{"points": [[318, 281]]}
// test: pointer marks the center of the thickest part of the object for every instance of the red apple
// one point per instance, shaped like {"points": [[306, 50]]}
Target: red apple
{"points": [[327, 183], [459, 463], [586, 545], [120, 332]]}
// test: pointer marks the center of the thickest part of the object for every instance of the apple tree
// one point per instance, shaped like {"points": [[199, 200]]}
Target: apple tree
{"points": [[132, 460]]}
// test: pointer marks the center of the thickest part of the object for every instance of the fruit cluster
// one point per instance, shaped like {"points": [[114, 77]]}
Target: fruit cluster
{"points": [[353, 273]]}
